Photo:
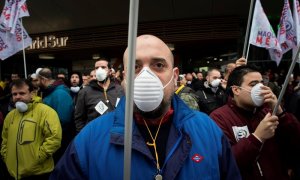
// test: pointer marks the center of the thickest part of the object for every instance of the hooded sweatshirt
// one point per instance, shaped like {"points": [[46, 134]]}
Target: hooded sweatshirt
{"points": [[58, 97]]}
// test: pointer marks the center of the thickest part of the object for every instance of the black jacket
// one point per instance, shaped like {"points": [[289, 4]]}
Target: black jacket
{"points": [[208, 100], [90, 96]]}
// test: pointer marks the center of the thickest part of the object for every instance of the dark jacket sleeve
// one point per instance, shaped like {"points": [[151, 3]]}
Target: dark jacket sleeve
{"points": [[80, 117], [229, 169], [68, 166], [288, 132]]}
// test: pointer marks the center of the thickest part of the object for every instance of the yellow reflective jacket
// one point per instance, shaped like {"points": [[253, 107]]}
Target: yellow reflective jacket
{"points": [[30, 139]]}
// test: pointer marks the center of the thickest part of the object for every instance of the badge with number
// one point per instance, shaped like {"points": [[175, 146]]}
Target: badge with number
{"points": [[101, 107]]}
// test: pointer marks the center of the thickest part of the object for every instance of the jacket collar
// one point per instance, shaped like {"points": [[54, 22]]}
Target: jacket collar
{"points": [[232, 104], [94, 84], [180, 114], [177, 138]]}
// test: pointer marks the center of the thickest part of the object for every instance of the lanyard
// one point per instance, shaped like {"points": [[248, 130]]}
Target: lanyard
{"points": [[154, 145]]}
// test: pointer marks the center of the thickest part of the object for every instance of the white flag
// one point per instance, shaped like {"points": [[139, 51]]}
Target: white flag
{"points": [[296, 16], [12, 11], [13, 43], [262, 34], [4, 49], [286, 34]]}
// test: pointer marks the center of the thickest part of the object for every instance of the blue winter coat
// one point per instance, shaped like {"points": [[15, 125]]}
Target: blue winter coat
{"points": [[196, 149], [59, 98]]}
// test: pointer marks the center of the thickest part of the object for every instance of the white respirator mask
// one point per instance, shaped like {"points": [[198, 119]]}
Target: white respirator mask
{"points": [[21, 106], [101, 74], [75, 89], [148, 90], [256, 97], [215, 83]]}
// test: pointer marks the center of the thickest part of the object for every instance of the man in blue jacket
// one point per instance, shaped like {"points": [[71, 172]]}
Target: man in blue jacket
{"points": [[57, 95], [169, 140]]}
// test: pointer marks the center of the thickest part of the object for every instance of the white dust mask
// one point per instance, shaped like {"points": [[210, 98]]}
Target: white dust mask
{"points": [[75, 89], [21, 106], [215, 83], [256, 97], [101, 74], [148, 90]]}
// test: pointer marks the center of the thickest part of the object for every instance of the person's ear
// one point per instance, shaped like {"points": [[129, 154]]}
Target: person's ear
{"points": [[175, 75], [235, 90]]}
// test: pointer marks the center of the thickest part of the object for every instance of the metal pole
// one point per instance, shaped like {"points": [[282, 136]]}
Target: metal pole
{"points": [[247, 52], [286, 82], [132, 34], [24, 56], [248, 29]]}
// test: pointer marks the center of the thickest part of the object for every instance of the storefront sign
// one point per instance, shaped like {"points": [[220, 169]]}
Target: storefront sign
{"points": [[48, 42]]}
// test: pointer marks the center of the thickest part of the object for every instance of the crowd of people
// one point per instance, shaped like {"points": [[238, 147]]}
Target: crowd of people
{"points": [[197, 125]]}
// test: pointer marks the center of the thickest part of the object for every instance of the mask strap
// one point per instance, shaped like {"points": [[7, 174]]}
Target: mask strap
{"points": [[244, 89], [149, 70], [170, 80]]}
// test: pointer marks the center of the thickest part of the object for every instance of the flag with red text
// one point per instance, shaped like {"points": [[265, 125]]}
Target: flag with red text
{"points": [[13, 43], [13, 36], [12, 11], [262, 34], [296, 17], [286, 34]]}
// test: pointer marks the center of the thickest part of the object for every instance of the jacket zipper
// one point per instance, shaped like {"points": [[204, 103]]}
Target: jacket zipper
{"points": [[18, 136]]}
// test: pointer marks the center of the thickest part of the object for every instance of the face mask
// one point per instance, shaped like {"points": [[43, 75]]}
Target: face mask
{"points": [[215, 83], [257, 99], [75, 89], [148, 90], [21, 106], [189, 82], [101, 74]]}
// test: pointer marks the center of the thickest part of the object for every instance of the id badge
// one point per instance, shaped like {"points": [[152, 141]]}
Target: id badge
{"points": [[101, 107]]}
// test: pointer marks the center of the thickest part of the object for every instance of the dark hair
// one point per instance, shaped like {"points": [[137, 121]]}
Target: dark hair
{"points": [[80, 77], [46, 73], [18, 83], [211, 70], [107, 60], [236, 77]]}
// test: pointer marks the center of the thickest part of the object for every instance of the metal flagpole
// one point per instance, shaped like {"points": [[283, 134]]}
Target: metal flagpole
{"points": [[132, 34], [248, 30], [286, 82], [246, 57], [24, 56]]}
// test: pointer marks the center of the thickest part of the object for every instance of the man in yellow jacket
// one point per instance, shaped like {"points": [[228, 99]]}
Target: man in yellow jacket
{"points": [[31, 134]]}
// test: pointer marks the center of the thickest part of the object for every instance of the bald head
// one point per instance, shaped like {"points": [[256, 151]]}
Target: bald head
{"points": [[150, 46], [46, 73], [153, 54]]}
